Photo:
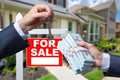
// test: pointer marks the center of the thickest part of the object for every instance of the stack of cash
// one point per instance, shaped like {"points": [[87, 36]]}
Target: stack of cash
{"points": [[78, 57]]}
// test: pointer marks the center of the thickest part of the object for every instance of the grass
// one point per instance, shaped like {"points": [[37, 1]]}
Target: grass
{"points": [[94, 75], [97, 74], [47, 77], [117, 54]]}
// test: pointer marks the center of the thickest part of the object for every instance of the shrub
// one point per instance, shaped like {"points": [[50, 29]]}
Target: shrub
{"points": [[5, 71], [115, 40], [14, 70], [117, 49], [10, 61], [31, 72], [104, 45]]}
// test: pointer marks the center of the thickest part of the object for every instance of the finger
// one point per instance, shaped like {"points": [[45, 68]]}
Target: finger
{"points": [[84, 44], [44, 8], [41, 15]]}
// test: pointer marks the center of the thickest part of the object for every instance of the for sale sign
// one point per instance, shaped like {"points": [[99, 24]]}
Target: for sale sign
{"points": [[43, 52]]}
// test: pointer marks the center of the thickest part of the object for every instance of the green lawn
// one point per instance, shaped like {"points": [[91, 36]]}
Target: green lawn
{"points": [[47, 77], [117, 54], [94, 75], [97, 74]]}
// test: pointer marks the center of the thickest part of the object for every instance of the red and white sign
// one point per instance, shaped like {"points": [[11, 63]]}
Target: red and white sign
{"points": [[43, 52]]}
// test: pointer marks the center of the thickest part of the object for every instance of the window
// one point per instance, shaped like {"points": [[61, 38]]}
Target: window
{"points": [[69, 26], [1, 21], [92, 27], [50, 1], [93, 30], [112, 16], [91, 37], [10, 18], [97, 27], [60, 2], [64, 3]]}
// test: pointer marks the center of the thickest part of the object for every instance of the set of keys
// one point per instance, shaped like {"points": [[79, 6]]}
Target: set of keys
{"points": [[49, 21]]}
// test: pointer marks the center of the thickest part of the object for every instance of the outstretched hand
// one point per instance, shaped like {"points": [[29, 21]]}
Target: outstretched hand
{"points": [[35, 17]]}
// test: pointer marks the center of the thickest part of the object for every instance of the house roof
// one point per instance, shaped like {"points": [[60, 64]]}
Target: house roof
{"points": [[80, 18], [104, 5], [78, 13], [92, 14], [28, 5]]}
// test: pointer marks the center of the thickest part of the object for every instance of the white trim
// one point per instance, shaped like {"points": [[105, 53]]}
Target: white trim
{"points": [[7, 18], [94, 32], [89, 30], [45, 31]]}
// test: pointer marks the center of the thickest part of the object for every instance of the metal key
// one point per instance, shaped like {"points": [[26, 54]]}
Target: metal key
{"points": [[49, 21]]}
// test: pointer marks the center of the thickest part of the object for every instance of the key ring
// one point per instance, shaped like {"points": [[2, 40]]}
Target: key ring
{"points": [[49, 21]]}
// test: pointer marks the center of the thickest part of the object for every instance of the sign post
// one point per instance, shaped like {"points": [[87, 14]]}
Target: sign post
{"points": [[19, 58]]}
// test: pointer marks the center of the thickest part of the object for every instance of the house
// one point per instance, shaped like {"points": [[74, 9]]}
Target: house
{"points": [[108, 11], [118, 29], [90, 28], [62, 20], [99, 21], [93, 23]]}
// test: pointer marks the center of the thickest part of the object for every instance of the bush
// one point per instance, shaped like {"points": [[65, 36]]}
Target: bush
{"points": [[115, 40], [14, 70], [10, 61], [105, 45], [5, 71], [117, 49]]}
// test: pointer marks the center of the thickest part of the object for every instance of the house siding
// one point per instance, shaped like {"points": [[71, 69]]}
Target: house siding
{"points": [[109, 15], [111, 23], [103, 13]]}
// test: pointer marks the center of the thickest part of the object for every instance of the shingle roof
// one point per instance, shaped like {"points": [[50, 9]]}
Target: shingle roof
{"points": [[103, 5]]}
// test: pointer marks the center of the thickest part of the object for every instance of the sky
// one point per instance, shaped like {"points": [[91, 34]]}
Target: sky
{"points": [[92, 3]]}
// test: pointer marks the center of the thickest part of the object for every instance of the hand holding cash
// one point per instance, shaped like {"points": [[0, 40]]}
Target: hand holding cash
{"points": [[78, 57], [98, 56]]}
